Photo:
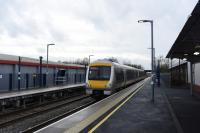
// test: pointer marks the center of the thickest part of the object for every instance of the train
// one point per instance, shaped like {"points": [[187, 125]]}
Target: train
{"points": [[105, 77]]}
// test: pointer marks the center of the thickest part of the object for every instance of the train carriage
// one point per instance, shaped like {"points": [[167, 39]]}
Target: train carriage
{"points": [[105, 77]]}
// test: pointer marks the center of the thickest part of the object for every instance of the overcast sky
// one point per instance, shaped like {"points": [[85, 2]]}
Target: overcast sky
{"points": [[103, 28]]}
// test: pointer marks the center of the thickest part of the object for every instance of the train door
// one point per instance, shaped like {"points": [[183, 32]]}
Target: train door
{"points": [[60, 78], [44, 80], [27, 80], [10, 81]]}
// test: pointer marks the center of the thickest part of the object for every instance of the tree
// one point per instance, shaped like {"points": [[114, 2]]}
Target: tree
{"points": [[79, 61], [85, 61], [128, 63], [112, 59], [135, 66], [164, 64]]}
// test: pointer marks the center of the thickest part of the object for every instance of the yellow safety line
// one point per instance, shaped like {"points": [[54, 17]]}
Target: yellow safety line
{"points": [[103, 120]]}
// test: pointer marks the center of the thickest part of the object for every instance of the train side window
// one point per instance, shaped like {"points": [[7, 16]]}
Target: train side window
{"points": [[119, 75], [135, 74]]}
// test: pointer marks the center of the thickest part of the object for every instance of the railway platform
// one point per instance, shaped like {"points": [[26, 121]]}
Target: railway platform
{"points": [[20, 97], [140, 115], [186, 107], [174, 110], [23, 93], [130, 110]]}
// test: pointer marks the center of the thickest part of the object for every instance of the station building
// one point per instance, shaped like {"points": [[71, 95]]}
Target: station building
{"points": [[181, 73], [20, 73]]}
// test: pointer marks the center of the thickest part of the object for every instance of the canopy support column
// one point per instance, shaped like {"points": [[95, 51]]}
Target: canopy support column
{"points": [[179, 71], [171, 73], [191, 77]]}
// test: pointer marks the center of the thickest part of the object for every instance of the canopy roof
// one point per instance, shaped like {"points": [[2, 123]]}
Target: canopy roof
{"points": [[188, 41]]}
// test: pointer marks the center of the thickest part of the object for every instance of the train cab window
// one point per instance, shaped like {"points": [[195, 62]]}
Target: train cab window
{"points": [[99, 73]]}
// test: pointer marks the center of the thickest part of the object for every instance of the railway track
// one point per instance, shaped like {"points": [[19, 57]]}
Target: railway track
{"points": [[10, 120], [8, 113], [39, 126], [37, 103]]}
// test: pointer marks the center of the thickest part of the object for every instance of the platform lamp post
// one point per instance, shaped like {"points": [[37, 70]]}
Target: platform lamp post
{"points": [[89, 59], [47, 71], [152, 55]]}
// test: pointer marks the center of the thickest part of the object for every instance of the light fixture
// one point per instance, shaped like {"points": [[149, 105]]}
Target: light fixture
{"points": [[185, 54], [144, 21], [197, 46], [196, 53], [184, 59]]}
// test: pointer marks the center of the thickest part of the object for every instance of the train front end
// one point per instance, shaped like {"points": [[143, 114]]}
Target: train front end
{"points": [[99, 78]]}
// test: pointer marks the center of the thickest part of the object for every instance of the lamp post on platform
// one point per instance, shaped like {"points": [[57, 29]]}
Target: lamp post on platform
{"points": [[152, 55], [89, 59], [47, 71]]}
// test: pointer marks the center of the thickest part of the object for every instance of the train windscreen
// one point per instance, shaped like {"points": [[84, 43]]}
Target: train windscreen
{"points": [[99, 73]]}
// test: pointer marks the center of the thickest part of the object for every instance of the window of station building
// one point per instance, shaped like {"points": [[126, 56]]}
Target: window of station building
{"points": [[61, 72]]}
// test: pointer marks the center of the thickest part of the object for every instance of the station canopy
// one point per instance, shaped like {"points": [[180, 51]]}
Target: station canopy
{"points": [[187, 44]]}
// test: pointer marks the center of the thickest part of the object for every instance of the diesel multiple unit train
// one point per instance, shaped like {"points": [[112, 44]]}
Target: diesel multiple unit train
{"points": [[105, 77]]}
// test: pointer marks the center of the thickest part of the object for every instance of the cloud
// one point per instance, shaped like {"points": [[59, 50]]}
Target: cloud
{"points": [[82, 27]]}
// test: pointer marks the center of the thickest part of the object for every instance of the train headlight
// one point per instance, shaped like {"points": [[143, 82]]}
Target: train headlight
{"points": [[109, 85], [88, 91], [87, 85], [107, 92]]}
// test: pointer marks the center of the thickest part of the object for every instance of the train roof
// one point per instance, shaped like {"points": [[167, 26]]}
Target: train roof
{"points": [[13, 59], [116, 64]]}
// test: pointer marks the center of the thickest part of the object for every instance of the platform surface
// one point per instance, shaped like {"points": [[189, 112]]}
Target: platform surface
{"points": [[7, 95], [82, 119], [140, 115], [185, 106]]}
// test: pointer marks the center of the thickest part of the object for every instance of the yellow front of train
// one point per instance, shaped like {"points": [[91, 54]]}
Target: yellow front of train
{"points": [[98, 78]]}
